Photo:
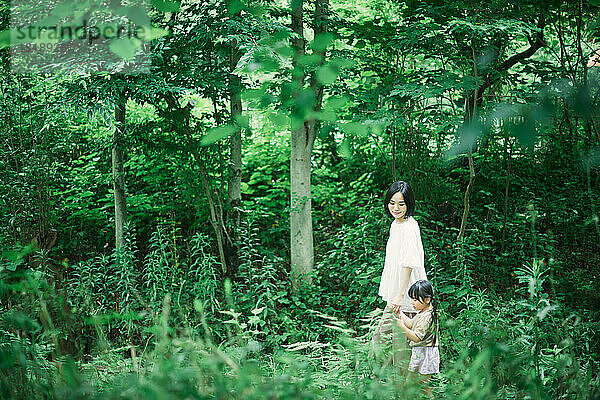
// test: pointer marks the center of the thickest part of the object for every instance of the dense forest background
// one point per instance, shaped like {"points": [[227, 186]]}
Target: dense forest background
{"points": [[213, 226]]}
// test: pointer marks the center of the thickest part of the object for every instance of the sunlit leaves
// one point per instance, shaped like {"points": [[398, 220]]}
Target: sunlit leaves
{"points": [[434, 83], [267, 55]]}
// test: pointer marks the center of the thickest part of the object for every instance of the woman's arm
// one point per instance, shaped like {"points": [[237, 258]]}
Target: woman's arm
{"points": [[399, 298]]}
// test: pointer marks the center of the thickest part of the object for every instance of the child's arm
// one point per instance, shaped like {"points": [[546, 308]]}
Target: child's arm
{"points": [[407, 321], [407, 331]]}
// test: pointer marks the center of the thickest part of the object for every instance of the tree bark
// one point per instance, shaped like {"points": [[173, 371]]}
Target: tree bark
{"points": [[234, 192], [118, 170], [301, 232], [303, 136], [302, 139]]}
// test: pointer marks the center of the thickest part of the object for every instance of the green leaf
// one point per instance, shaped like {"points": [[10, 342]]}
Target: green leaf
{"points": [[4, 39], [243, 120], [216, 134], [345, 150], [354, 128], [125, 47], [151, 32], [360, 44], [326, 114], [16, 257], [327, 74], [467, 137], [322, 41], [337, 102], [279, 119], [234, 7], [309, 59], [166, 6]]}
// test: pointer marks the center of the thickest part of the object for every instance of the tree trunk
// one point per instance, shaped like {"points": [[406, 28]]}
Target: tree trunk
{"points": [[118, 170], [234, 193], [301, 232], [304, 133], [463, 222], [302, 139], [470, 114], [506, 187], [234, 186]]}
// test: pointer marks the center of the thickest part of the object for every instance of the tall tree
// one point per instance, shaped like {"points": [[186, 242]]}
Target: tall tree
{"points": [[118, 172], [234, 184], [304, 131], [302, 140]]}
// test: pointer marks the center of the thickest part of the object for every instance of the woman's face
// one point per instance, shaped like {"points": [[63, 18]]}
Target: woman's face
{"points": [[397, 207]]}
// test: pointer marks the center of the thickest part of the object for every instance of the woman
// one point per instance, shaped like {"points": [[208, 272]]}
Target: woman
{"points": [[404, 265]]}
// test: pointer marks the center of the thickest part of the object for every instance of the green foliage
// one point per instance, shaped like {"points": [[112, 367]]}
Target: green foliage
{"points": [[353, 266], [519, 293], [489, 343]]}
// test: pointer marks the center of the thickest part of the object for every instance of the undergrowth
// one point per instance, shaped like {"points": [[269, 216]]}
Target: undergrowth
{"points": [[168, 326]]}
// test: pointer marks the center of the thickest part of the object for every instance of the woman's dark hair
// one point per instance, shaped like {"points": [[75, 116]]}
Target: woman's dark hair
{"points": [[409, 198], [420, 290]]}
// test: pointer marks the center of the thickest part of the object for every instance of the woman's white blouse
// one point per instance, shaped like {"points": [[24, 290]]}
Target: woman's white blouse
{"points": [[404, 249]]}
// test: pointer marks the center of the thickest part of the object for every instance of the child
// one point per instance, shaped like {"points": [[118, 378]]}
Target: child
{"points": [[404, 265], [422, 331]]}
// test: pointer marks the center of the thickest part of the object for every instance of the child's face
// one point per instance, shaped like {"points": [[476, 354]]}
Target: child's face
{"points": [[397, 206], [421, 304]]}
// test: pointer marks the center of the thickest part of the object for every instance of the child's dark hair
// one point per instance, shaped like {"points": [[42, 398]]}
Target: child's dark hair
{"points": [[409, 198], [420, 290]]}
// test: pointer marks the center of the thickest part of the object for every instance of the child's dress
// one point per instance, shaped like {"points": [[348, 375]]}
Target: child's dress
{"points": [[425, 357]]}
